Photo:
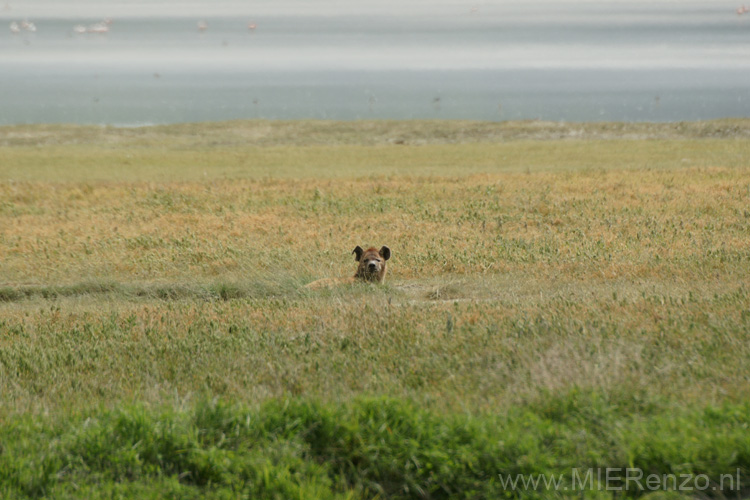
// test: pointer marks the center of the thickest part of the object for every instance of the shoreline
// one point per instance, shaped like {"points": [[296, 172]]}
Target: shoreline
{"points": [[370, 132]]}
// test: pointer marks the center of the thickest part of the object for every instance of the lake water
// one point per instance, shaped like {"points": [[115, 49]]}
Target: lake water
{"points": [[555, 60]]}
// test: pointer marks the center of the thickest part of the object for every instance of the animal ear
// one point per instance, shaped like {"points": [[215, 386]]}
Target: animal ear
{"points": [[385, 252], [358, 252]]}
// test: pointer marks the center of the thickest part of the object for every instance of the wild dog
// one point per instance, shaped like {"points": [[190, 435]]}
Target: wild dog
{"points": [[372, 268]]}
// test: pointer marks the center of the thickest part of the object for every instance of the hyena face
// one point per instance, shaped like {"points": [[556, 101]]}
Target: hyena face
{"points": [[372, 265]]}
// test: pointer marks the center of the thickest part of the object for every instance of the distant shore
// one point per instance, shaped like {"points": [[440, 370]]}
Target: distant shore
{"points": [[366, 132]]}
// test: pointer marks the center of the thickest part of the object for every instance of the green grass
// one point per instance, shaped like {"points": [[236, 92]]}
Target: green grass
{"points": [[296, 448], [170, 291], [560, 296]]}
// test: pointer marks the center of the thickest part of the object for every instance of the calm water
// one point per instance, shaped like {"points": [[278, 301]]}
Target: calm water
{"points": [[559, 60]]}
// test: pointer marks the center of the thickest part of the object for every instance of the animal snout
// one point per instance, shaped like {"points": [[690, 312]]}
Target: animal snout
{"points": [[372, 267]]}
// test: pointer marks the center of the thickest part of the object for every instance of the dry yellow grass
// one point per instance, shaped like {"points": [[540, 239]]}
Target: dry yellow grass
{"points": [[591, 224]]}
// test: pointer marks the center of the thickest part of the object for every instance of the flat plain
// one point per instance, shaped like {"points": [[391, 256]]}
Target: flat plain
{"points": [[560, 296]]}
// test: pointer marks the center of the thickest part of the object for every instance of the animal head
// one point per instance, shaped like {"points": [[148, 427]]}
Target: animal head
{"points": [[372, 263]]}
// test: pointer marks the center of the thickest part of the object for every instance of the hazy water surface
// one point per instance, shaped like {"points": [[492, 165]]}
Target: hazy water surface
{"points": [[556, 60]]}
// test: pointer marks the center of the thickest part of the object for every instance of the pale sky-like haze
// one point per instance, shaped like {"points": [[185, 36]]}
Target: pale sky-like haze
{"points": [[480, 59], [395, 8]]}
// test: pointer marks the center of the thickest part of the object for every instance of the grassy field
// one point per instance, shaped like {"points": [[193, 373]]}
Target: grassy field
{"points": [[560, 296]]}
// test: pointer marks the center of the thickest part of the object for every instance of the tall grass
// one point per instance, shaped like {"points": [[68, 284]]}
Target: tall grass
{"points": [[559, 296], [481, 353]]}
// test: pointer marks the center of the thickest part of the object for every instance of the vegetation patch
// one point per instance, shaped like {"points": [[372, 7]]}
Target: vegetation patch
{"points": [[375, 447]]}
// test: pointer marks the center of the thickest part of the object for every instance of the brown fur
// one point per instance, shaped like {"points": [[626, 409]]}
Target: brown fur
{"points": [[372, 268]]}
